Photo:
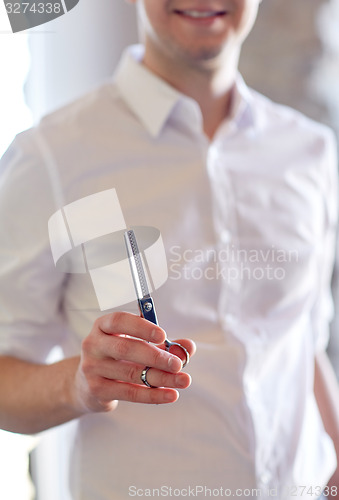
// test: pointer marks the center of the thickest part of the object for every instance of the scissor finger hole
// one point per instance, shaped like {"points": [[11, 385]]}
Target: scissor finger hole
{"points": [[178, 350]]}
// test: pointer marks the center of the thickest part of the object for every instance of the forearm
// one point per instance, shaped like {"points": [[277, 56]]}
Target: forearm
{"points": [[36, 397], [327, 395]]}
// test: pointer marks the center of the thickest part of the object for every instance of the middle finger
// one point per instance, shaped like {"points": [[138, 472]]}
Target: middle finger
{"points": [[141, 352]]}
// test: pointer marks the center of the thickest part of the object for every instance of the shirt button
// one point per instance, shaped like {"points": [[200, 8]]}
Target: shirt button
{"points": [[265, 478], [230, 320], [225, 236]]}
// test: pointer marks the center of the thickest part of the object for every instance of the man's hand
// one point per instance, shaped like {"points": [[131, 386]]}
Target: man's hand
{"points": [[113, 357], [35, 397]]}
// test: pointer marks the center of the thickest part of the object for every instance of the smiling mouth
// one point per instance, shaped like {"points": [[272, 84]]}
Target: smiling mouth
{"points": [[197, 14]]}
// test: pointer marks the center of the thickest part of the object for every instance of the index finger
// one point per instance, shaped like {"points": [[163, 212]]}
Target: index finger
{"points": [[119, 323]]}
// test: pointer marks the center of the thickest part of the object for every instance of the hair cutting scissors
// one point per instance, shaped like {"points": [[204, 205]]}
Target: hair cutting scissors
{"points": [[145, 301]]}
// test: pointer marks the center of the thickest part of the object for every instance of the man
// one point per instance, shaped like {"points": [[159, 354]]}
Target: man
{"points": [[244, 193]]}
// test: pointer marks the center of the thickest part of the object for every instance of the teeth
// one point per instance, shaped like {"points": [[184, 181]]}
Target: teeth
{"points": [[199, 14]]}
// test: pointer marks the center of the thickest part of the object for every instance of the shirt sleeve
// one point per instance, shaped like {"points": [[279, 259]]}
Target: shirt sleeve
{"points": [[31, 319], [323, 310]]}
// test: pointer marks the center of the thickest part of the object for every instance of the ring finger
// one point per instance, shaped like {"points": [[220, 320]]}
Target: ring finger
{"points": [[125, 371]]}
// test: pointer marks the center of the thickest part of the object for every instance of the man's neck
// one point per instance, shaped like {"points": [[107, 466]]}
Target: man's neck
{"points": [[211, 86]]}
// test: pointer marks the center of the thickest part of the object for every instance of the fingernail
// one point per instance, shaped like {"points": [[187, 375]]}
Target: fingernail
{"points": [[156, 336], [173, 363], [180, 381], [169, 396]]}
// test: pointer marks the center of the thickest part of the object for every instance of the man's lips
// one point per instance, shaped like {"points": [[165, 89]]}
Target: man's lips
{"points": [[200, 14]]}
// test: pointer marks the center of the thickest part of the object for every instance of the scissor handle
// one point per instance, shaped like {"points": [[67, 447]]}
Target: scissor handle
{"points": [[148, 312], [147, 309], [169, 344]]}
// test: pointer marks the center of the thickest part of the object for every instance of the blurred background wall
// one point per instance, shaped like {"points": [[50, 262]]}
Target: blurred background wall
{"points": [[292, 56], [74, 53]]}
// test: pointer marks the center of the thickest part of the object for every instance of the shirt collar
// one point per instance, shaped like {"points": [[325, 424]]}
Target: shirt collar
{"points": [[242, 113], [153, 100]]}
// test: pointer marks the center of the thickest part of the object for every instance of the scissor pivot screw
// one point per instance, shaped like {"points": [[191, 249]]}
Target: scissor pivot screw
{"points": [[148, 306]]}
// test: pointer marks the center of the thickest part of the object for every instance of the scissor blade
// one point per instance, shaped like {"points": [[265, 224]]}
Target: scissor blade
{"points": [[137, 268]]}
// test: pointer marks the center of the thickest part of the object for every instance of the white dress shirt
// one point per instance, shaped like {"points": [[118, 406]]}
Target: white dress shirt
{"points": [[248, 222]]}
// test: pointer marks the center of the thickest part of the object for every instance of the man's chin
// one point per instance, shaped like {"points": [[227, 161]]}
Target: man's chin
{"points": [[203, 57]]}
